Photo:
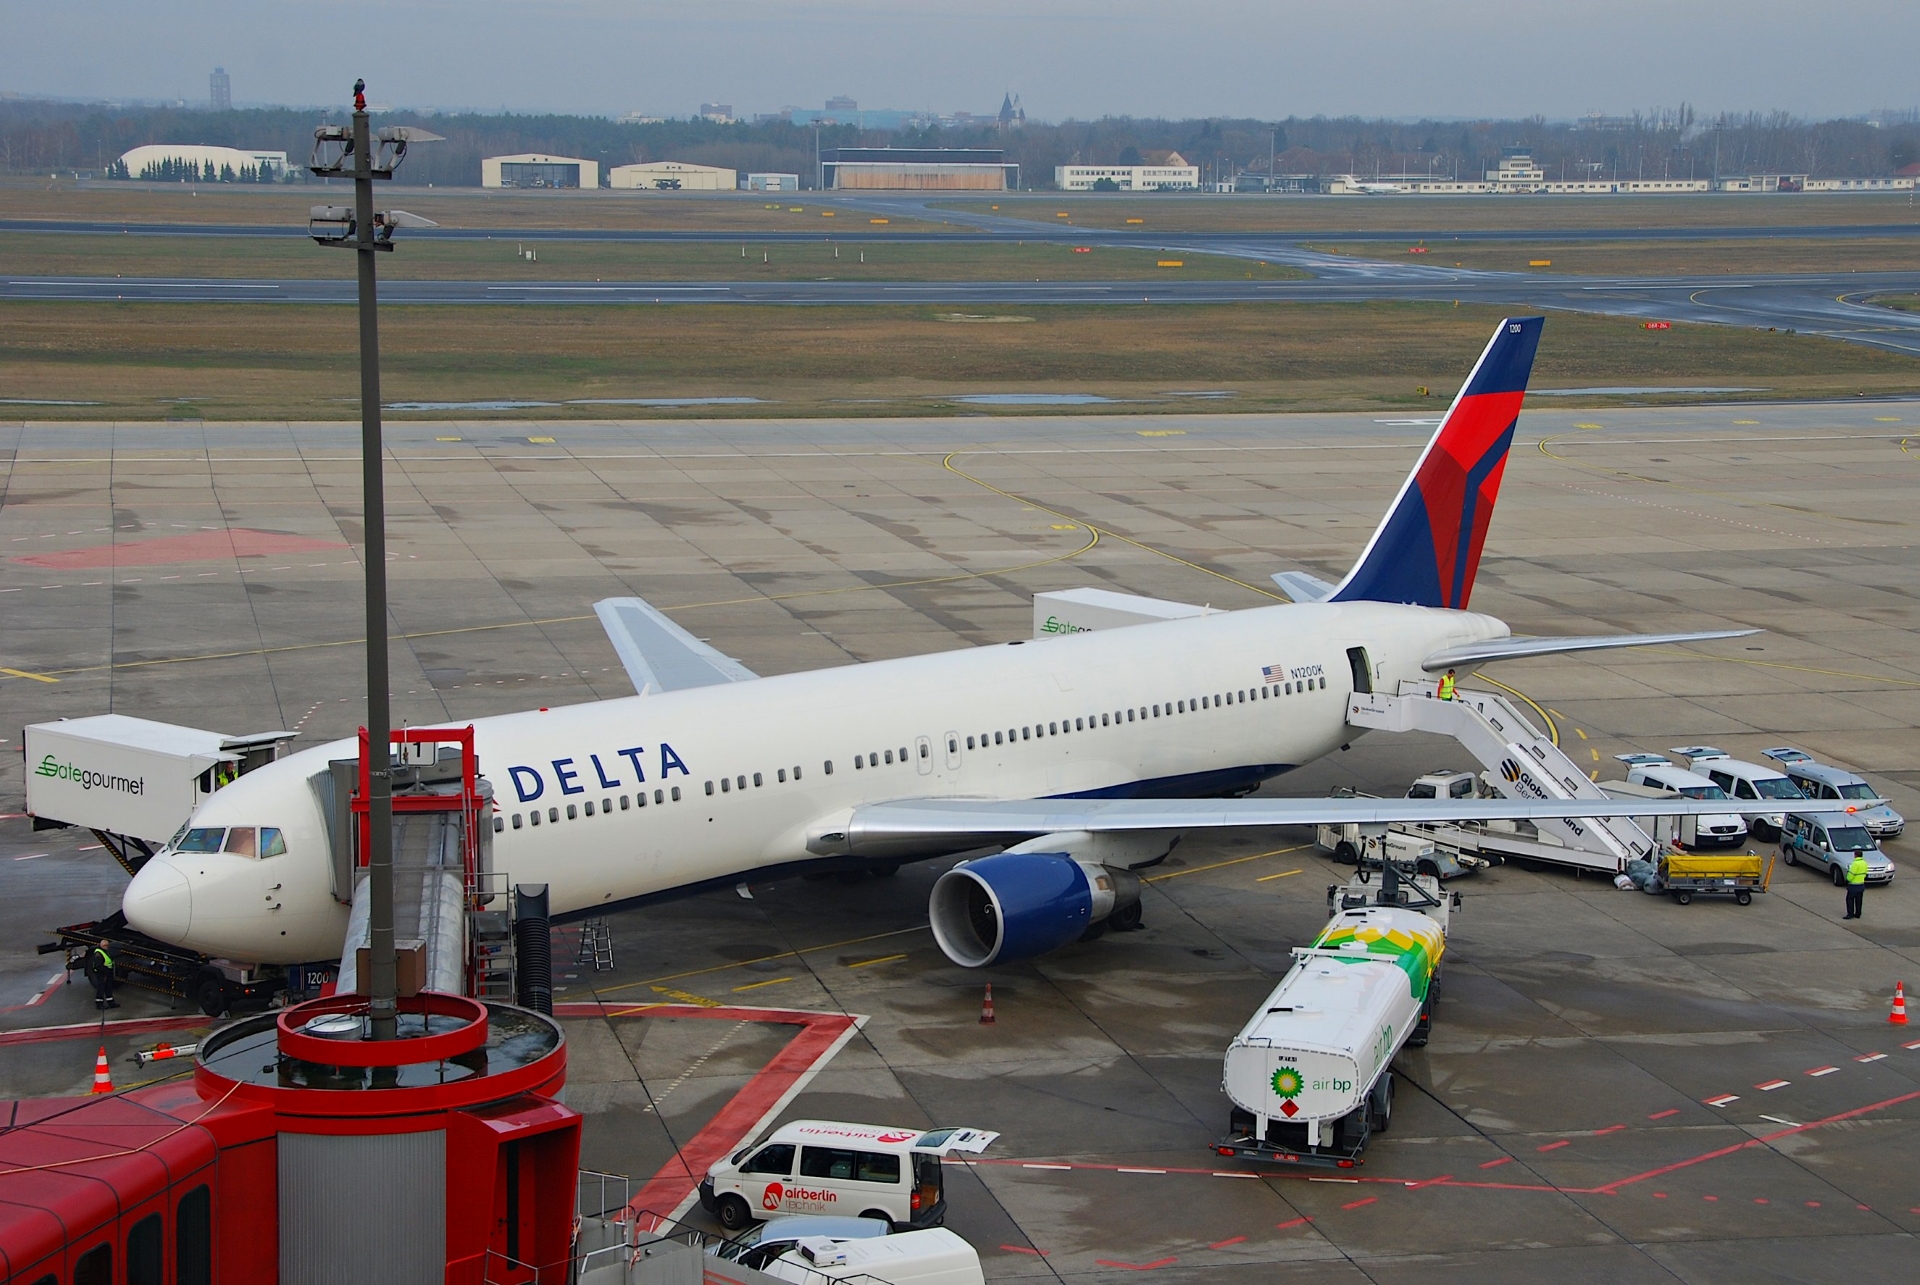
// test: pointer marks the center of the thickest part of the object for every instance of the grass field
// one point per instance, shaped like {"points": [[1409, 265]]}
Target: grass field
{"points": [[285, 362], [1656, 258], [1194, 213], [64, 254], [452, 207], [1904, 302]]}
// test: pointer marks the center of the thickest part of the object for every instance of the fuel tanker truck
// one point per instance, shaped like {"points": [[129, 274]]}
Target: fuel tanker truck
{"points": [[1309, 1075]]}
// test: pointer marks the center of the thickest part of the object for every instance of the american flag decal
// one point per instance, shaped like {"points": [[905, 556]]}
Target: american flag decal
{"points": [[1273, 673]]}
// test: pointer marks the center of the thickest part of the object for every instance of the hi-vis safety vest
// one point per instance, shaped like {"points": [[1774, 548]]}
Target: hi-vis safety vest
{"points": [[106, 960], [1446, 687], [1857, 869]]}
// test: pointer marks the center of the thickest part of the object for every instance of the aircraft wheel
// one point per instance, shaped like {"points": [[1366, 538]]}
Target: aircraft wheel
{"points": [[209, 992], [1125, 919], [732, 1212]]}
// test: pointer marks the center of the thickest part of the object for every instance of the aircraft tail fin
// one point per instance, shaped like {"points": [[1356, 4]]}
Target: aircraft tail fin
{"points": [[1427, 548]]}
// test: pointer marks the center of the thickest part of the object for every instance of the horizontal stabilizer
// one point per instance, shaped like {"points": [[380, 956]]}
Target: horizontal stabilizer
{"points": [[659, 655], [971, 822], [1492, 649], [1301, 587]]}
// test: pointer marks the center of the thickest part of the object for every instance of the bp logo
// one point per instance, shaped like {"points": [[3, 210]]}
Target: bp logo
{"points": [[1287, 1085]]}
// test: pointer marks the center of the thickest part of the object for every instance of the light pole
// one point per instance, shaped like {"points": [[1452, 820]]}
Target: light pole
{"points": [[355, 151]]}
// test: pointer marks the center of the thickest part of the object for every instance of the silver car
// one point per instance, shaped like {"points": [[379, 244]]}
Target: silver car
{"points": [[1828, 843], [1822, 781]]}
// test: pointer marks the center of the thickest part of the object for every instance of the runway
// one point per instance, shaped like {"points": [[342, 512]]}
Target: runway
{"points": [[1826, 304]]}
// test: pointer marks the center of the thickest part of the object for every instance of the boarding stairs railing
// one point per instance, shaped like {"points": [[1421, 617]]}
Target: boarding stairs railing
{"points": [[1521, 762]]}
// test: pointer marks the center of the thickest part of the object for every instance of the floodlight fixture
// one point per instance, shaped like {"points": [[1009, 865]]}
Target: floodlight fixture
{"points": [[339, 225]]}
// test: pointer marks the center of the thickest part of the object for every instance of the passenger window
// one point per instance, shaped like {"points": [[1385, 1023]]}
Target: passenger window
{"points": [[709, 787], [499, 824], [606, 805], [726, 786], [859, 762], [1053, 729], [1180, 707], [573, 812], [623, 801], [145, 1265], [1079, 725], [776, 1159], [1744, 790], [889, 758], [676, 794], [1156, 711], [534, 817], [969, 742], [272, 844], [1461, 789], [903, 753], [553, 816], [95, 1267], [740, 782], [826, 766], [516, 821], [589, 808], [996, 738], [240, 841], [193, 1239], [826, 1162], [796, 770], [658, 799], [1129, 716], [878, 1167], [953, 745], [927, 751], [1103, 720], [1026, 733]]}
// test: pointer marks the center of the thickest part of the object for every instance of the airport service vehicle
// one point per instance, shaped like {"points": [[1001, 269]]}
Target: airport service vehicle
{"points": [[761, 1243], [1658, 773], [1731, 874], [1412, 846], [1828, 843], [1824, 781], [1085, 755], [829, 1167], [1746, 783], [1309, 1074], [930, 1256]]}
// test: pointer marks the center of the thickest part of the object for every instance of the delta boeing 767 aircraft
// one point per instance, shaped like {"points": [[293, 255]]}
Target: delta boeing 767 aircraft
{"points": [[1082, 758]]}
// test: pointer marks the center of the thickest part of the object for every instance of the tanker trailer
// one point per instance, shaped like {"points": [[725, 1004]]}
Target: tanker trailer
{"points": [[1309, 1074]]}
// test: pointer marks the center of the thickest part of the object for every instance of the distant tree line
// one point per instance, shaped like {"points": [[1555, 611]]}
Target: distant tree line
{"points": [[169, 170], [44, 137]]}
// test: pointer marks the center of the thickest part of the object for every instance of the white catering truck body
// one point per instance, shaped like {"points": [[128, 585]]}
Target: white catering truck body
{"points": [[1308, 1074], [123, 775]]}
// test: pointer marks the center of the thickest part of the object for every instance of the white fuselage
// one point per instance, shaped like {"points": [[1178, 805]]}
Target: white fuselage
{"points": [[1175, 709]]}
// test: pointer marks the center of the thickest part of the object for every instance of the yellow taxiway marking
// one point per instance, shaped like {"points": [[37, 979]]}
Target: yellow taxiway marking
{"points": [[541, 441], [1175, 874], [1100, 531], [1580, 732], [869, 963], [1746, 421], [1282, 875], [1553, 728], [1781, 664], [24, 673], [1886, 419], [754, 986], [447, 439], [785, 954], [1093, 539]]}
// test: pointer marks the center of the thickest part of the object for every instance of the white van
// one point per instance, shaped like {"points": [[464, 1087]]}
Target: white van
{"points": [[934, 1256], [1746, 783], [1659, 773], [830, 1167]]}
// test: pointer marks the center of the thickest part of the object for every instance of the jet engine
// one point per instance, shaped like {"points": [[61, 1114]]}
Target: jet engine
{"points": [[1027, 901]]}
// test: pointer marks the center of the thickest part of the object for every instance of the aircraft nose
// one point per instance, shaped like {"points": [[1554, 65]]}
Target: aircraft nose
{"points": [[159, 902]]}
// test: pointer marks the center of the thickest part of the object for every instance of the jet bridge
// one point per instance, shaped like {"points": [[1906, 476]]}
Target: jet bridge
{"points": [[1521, 763]]}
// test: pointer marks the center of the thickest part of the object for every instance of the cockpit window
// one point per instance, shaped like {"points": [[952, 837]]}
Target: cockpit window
{"points": [[271, 844], [200, 840], [240, 841]]}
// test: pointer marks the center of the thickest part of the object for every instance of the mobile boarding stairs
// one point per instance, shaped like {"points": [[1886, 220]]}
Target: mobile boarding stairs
{"points": [[1521, 763]]}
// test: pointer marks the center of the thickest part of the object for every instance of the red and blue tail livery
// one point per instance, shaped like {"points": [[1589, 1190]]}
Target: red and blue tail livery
{"points": [[1428, 547]]}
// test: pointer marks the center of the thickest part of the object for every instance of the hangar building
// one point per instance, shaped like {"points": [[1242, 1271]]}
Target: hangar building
{"points": [[672, 176], [534, 169], [974, 169]]}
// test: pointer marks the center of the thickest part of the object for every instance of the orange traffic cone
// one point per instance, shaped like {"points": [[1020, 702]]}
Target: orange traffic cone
{"points": [[102, 1078], [986, 1007], [1898, 1016]]}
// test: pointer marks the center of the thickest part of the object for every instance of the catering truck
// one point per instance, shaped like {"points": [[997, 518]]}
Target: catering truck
{"points": [[1309, 1075]]}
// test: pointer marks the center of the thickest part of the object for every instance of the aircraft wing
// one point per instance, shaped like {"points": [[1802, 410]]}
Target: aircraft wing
{"points": [[912, 823], [659, 655], [1513, 648]]}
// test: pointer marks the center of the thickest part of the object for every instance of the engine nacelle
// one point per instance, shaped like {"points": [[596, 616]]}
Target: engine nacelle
{"points": [[1022, 903]]}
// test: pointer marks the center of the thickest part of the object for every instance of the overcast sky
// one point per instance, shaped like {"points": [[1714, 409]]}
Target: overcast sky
{"points": [[1066, 58]]}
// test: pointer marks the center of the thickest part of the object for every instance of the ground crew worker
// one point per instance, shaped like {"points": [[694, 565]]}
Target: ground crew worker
{"points": [[1447, 685], [100, 973], [1856, 885], [224, 773]]}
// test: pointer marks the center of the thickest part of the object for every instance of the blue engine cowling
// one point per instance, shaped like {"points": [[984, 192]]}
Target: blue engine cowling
{"points": [[1017, 905]]}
